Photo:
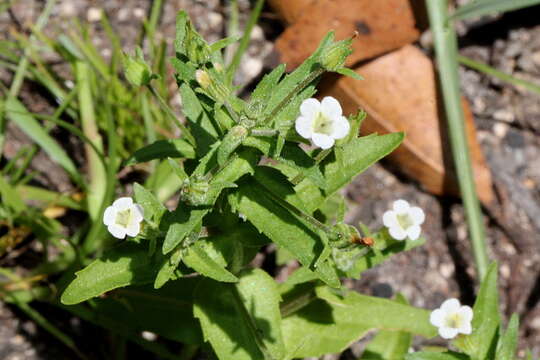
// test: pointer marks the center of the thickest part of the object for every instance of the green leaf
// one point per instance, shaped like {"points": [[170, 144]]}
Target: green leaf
{"points": [[222, 43], [331, 323], [126, 264], [485, 324], [424, 355], [197, 258], [350, 73], [508, 342], [10, 197], [168, 266], [161, 149], [241, 321], [389, 345], [18, 113], [153, 209], [180, 223], [477, 8], [356, 157], [284, 229], [167, 312], [201, 125]]}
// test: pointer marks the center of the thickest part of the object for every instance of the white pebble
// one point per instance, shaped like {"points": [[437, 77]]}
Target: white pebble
{"points": [[93, 14]]}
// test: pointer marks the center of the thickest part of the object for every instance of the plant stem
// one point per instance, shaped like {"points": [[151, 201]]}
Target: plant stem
{"points": [[498, 74], [244, 42], [232, 30], [187, 134], [289, 97], [320, 157], [446, 51]]}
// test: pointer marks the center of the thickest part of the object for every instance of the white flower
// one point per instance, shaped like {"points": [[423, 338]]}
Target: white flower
{"points": [[123, 218], [322, 122], [452, 318], [404, 220]]}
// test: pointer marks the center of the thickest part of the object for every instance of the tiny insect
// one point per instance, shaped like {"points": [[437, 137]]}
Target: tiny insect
{"points": [[366, 241]]}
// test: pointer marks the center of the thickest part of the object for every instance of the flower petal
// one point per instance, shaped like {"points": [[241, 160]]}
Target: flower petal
{"points": [[450, 305], [417, 215], [137, 212], [465, 328], [436, 318], [397, 232], [109, 215], [466, 312], [310, 107], [304, 126], [413, 232], [448, 333], [117, 231], [323, 141], [340, 128], [331, 107], [122, 203], [401, 206], [389, 219], [133, 228]]}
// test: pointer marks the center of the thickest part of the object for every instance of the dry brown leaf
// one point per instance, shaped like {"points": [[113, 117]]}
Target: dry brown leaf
{"points": [[399, 93], [382, 26]]}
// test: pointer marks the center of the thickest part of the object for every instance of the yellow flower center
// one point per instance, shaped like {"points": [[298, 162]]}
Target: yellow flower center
{"points": [[123, 218], [404, 221], [322, 124], [453, 320]]}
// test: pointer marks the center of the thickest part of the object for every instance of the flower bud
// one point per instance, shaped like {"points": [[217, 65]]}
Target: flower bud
{"points": [[212, 85], [136, 70], [334, 54], [195, 191]]}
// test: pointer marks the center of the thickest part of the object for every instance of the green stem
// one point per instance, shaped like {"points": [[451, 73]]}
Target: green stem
{"points": [[187, 134], [264, 132], [498, 74], [232, 29], [308, 218], [320, 157], [446, 51], [244, 42], [292, 94]]}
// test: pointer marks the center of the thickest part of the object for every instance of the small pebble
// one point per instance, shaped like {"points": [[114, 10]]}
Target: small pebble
{"points": [[500, 130], [93, 14], [150, 336], [139, 13]]}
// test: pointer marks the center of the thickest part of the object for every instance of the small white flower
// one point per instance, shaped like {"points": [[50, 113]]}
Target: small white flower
{"points": [[322, 122], [452, 319], [404, 220], [123, 218]]}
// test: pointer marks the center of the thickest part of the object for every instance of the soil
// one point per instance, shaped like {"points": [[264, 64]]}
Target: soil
{"points": [[507, 117]]}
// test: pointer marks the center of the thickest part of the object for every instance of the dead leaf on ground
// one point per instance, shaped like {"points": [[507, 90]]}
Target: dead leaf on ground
{"points": [[399, 93], [381, 25]]}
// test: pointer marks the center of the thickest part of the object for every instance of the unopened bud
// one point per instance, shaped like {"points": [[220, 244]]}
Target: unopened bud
{"points": [[203, 78], [212, 85], [334, 55], [136, 70]]}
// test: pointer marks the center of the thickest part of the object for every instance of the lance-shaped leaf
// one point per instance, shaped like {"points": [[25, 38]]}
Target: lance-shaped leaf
{"points": [[332, 322], [283, 228], [241, 321], [481, 343], [153, 209], [126, 264], [161, 149], [199, 258], [389, 345], [167, 312], [506, 349]]}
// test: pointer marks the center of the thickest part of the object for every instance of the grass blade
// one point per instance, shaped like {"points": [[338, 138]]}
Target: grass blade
{"points": [[96, 170], [485, 7], [486, 69], [17, 112], [446, 51], [244, 42]]}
